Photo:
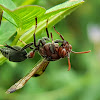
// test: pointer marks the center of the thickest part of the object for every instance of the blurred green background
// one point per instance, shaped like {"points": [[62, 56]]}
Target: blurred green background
{"points": [[82, 30]]}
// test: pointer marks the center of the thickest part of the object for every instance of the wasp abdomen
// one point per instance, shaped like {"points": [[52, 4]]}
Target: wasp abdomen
{"points": [[49, 52], [14, 55], [5, 52]]}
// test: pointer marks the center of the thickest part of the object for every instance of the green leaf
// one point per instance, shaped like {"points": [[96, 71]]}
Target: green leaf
{"points": [[8, 4], [5, 5], [6, 32], [66, 6], [54, 15], [24, 16]]}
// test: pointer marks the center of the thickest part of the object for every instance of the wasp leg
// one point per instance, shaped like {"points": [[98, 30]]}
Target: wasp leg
{"points": [[34, 33], [47, 29], [58, 33], [41, 41], [45, 38], [27, 46], [34, 40], [10, 47], [52, 48], [58, 41], [52, 38]]}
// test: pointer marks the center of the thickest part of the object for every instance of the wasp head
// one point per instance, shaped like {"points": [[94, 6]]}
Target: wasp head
{"points": [[65, 51]]}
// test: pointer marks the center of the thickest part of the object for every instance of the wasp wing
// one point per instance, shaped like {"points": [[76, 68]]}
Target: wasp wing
{"points": [[36, 71], [42, 68]]}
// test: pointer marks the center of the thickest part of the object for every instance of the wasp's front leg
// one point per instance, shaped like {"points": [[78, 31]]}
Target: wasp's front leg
{"points": [[43, 41]]}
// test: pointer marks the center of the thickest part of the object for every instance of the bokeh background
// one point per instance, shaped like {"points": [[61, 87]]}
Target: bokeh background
{"points": [[82, 82]]}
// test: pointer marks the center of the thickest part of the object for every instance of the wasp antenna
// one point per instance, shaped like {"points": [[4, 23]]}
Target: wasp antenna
{"points": [[69, 64], [58, 33], [47, 28], [81, 52]]}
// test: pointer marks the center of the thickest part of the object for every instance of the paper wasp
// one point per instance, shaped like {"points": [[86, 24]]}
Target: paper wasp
{"points": [[49, 51]]}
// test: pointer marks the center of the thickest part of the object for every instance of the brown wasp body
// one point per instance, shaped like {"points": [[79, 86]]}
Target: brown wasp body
{"points": [[50, 52], [56, 49]]}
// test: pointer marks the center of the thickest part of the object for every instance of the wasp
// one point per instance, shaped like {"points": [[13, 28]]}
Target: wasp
{"points": [[52, 51]]}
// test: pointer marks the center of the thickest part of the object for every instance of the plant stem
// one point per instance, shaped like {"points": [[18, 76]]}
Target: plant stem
{"points": [[19, 34]]}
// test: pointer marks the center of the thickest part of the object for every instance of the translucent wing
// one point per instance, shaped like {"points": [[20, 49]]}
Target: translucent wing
{"points": [[36, 71]]}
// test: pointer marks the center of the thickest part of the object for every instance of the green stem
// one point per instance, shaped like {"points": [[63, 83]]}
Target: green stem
{"points": [[19, 34]]}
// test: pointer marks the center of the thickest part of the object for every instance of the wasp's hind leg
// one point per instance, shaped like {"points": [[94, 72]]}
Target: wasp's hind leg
{"points": [[26, 45], [8, 46], [52, 46]]}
